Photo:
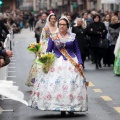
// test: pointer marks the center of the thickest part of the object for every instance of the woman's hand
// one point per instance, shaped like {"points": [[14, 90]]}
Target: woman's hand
{"points": [[9, 53], [2, 62], [91, 29]]}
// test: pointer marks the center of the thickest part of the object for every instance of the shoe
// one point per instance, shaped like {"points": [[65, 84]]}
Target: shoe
{"points": [[96, 66], [63, 113], [109, 65], [71, 113], [99, 64]]}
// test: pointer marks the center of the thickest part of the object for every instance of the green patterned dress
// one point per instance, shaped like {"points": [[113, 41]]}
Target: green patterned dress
{"points": [[117, 64]]}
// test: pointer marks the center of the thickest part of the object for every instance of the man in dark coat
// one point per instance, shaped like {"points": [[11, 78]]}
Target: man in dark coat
{"points": [[97, 31], [2, 28]]}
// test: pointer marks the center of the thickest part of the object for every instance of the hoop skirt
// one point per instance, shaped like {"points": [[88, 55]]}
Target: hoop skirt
{"points": [[61, 89]]}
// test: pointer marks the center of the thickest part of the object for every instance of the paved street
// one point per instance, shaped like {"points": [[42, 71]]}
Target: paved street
{"points": [[103, 91]]}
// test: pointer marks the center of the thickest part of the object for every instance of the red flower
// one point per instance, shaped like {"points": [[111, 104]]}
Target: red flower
{"points": [[71, 96], [69, 68], [38, 94], [31, 93], [59, 96], [80, 98], [60, 68], [49, 97], [65, 87], [52, 69], [75, 70]]}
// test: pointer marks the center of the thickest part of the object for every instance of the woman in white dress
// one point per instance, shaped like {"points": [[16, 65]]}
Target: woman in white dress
{"points": [[51, 28], [62, 88]]}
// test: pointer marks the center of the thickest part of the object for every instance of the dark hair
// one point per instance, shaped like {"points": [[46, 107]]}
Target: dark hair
{"points": [[42, 14], [84, 13], [65, 21], [96, 15], [51, 16], [68, 14]]}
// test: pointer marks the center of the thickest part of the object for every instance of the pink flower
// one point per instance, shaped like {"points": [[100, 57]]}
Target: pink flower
{"points": [[48, 97], [52, 69], [71, 96], [80, 98], [65, 87], [31, 92], [69, 68], [38, 94], [75, 70], [59, 96], [60, 68]]}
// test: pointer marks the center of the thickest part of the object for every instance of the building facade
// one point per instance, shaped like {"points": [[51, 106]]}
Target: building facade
{"points": [[8, 5], [61, 5]]}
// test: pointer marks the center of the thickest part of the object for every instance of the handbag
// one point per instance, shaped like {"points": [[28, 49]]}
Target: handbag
{"points": [[103, 43]]}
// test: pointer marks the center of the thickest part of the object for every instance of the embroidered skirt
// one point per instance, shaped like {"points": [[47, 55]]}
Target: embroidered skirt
{"points": [[61, 89], [36, 67], [117, 64]]}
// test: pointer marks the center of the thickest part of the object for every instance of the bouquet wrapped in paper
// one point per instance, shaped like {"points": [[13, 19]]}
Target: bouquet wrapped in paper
{"points": [[46, 61], [35, 48]]}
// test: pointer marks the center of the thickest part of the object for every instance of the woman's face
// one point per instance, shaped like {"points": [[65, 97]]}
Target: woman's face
{"points": [[107, 18], [96, 19], [85, 15], [116, 20], [62, 25], [79, 22], [53, 20]]}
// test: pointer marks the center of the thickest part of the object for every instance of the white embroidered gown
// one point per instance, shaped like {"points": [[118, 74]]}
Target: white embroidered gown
{"points": [[61, 89]]}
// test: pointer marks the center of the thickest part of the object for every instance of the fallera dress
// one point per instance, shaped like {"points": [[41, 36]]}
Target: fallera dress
{"points": [[36, 67], [62, 88]]}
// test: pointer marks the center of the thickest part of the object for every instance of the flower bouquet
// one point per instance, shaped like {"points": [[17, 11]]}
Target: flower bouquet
{"points": [[46, 60], [34, 47]]}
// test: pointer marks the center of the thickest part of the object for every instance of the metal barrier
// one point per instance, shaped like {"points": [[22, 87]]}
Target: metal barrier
{"points": [[4, 70]]}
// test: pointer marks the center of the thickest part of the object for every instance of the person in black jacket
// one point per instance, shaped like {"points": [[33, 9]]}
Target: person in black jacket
{"points": [[2, 28], [2, 62], [80, 31], [97, 31], [31, 21], [4, 56]]}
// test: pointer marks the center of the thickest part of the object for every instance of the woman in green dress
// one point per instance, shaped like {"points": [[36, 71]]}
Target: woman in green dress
{"points": [[117, 57]]}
